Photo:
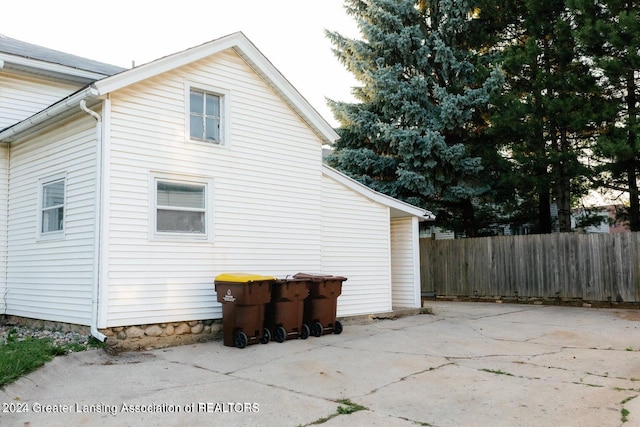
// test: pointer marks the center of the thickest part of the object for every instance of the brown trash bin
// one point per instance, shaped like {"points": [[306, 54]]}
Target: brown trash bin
{"points": [[320, 306], [243, 297], [284, 314]]}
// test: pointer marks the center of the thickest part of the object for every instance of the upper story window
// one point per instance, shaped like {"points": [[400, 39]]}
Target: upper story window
{"points": [[52, 207], [205, 116]]}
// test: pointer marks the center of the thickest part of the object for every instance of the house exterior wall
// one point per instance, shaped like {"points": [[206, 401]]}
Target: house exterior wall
{"points": [[405, 263], [265, 187], [21, 96], [356, 244], [51, 279]]}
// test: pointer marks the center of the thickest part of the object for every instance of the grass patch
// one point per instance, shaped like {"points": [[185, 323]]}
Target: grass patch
{"points": [[20, 357]]}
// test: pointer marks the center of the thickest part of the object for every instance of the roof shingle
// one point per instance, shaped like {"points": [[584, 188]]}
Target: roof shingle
{"points": [[31, 51]]}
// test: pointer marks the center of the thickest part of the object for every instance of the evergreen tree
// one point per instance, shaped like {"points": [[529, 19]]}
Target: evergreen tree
{"points": [[415, 132], [610, 32], [547, 114]]}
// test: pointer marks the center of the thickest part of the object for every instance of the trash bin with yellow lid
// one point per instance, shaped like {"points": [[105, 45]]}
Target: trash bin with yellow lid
{"points": [[321, 305], [243, 297]]}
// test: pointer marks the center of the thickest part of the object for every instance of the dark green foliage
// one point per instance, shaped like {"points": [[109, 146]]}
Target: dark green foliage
{"points": [[549, 112], [609, 31], [420, 105], [436, 124]]}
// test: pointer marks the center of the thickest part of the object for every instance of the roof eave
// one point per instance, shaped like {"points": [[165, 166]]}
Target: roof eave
{"points": [[48, 69], [237, 41], [247, 50], [398, 207], [41, 119]]}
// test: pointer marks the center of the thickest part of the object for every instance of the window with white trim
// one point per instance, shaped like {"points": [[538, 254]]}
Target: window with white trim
{"points": [[205, 116], [180, 208], [52, 206]]}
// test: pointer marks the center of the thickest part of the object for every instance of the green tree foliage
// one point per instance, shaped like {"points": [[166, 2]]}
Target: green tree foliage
{"points": [[548, 114], [610, 33], [417, 130], [436, 124]]}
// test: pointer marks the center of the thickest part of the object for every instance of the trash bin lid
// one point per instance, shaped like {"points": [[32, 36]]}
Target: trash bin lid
{"points": [[242, 277]]}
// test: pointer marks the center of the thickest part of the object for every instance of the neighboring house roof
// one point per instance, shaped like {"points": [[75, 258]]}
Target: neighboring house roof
{"points": [[237, 41], [398, 208], [34, 59]]}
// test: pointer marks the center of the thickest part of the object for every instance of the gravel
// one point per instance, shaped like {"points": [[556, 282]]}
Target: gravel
{"points": [[22, 332]]}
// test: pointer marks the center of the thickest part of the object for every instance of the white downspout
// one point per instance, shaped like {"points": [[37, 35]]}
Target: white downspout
{"points": [[98, 211]]}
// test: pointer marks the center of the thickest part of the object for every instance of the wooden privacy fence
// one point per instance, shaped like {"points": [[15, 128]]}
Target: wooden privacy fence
{"points": [[593, 267]]}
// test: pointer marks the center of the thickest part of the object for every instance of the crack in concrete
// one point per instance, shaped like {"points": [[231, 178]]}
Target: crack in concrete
{"points": [[430, 369]]}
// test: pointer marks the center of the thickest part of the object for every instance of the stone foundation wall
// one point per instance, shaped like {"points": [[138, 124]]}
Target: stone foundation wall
{"points": [[137, 337], [47, 324], [159, 335]]}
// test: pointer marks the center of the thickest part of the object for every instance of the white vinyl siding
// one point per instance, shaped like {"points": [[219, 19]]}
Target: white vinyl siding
{"points": [[356, 244], [405, 263], [22, 97], [52, 279], [265, 204]]}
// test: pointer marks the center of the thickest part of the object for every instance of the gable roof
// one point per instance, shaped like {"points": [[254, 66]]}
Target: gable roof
{"points": [[398, 208], [33, 59], [236, 41]]}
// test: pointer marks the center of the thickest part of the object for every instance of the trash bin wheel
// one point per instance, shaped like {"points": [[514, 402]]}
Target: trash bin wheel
{"points": [[280, 334], [266, 336], [240, 339], [317, 329], [337, 328], [305, 332]]}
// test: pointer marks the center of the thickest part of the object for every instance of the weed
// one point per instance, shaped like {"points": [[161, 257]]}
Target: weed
{"points": [[95, 343], [627, 399], [624, 413], [497, 372], [588, 384], [349, 408]]}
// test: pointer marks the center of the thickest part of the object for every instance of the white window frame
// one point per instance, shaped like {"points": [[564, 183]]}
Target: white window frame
{"points": [[206, 182], [42, 183], [225, 96]]}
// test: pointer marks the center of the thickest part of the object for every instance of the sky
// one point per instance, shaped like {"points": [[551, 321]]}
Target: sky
{"points": [[290, 33]]}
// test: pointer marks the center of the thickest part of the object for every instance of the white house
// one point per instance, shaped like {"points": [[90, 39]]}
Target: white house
{"points": [[123, 193]]}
